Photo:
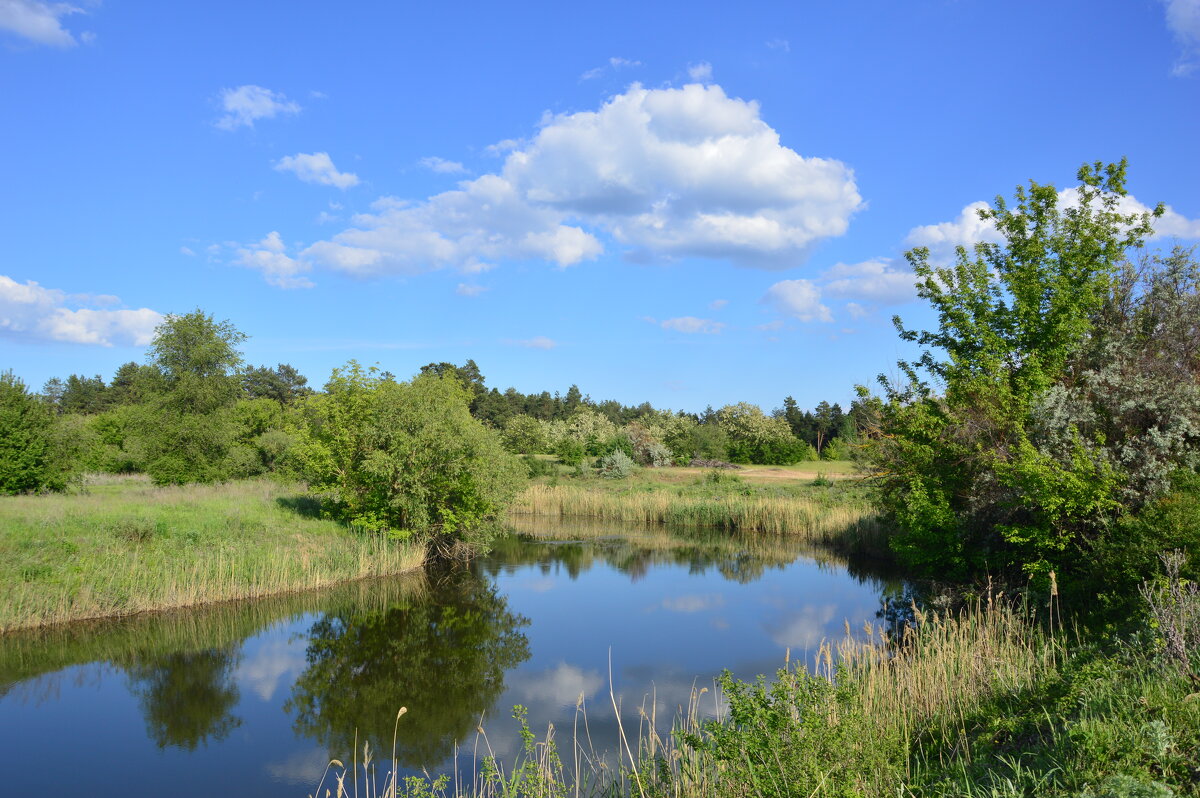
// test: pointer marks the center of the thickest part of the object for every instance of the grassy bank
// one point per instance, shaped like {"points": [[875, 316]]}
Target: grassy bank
{"points": [[981, 703], [792, 505], [124, 546]]}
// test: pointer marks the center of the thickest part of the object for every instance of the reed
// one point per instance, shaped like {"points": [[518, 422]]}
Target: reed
{"points": [[127, 547], [816, 520]]}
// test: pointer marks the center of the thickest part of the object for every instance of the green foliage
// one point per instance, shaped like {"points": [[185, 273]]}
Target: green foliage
{"points": [[706, 442], [536, 466], [616, 465], [404, 456], [990, 472], [118, 447], [799, 735], [778, 451], [282, 384], [187, 430], [569, 451], [524, 435], [28, 460]]}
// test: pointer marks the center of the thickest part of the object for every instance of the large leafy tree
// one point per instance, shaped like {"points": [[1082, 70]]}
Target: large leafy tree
{"points": [[958, 460], [193, 382], [28, 460], [406, 457]]}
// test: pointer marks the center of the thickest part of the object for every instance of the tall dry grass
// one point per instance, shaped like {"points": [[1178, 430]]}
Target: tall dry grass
{"points": [[818, 521]]}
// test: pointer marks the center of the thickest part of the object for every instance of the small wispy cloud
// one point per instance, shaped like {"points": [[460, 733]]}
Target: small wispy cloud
{"points": [[247, 104], [701, 72], [692, 325], [316, 167], [615, 63], [1183, 18], [470, 289], [537, 342], [442, 166]]}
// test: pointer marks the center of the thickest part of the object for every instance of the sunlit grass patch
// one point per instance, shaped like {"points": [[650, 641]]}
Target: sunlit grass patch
{"points": [[124, 546]]}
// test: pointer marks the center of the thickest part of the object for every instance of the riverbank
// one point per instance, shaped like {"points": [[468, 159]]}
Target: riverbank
{"points": [[123, 546], [776, 501]]}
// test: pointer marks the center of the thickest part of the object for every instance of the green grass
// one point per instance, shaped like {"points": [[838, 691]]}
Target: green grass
{"points": [[123, 546]]}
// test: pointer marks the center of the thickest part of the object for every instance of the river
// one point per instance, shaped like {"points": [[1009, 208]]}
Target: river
{"points": [[255, 698]]}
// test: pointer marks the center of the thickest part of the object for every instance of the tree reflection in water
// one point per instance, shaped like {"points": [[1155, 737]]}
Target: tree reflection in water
{"points": [[442, 655], [187, 698]]}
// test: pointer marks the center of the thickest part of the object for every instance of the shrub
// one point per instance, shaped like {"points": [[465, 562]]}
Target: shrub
{"points": [[616, 465], [658, 456], [28, 460], [536, 466], [569, 451], [405, 456]]}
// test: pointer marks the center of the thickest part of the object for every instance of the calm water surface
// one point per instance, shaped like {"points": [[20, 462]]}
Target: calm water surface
{"points": [[255, 698]]}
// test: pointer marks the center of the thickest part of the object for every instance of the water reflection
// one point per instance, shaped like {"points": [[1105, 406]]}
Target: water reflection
{"points": [[187, 698], [443, 656], [263, 694]]}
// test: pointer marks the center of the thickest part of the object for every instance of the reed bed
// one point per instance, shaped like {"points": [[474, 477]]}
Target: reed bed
{"points": [[123, 549], [817, 520]]}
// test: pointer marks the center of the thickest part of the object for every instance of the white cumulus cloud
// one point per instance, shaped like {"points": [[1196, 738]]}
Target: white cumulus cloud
{"points": [[798, 298], [880, 281], [245, 105], [30, 312], [486, 219], [691, 324], [316, 167], [686, 171], [664, 172], [270, 257], [968, 229], [38, 21]]}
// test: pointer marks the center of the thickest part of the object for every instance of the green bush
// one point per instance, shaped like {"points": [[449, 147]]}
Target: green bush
{"points": [[536, 466], [28, 458], [404, 456], [569, 451], [778, 451]]}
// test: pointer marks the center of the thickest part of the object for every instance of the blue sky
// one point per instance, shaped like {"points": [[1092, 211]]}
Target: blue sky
{"points": [[686, 203]]}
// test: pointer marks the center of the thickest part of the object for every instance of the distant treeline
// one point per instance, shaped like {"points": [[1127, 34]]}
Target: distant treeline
{"points": [[746, 434]]}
